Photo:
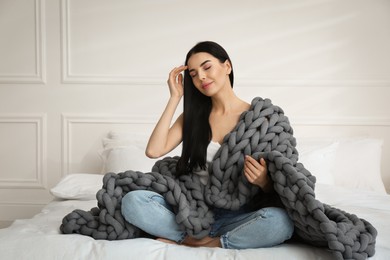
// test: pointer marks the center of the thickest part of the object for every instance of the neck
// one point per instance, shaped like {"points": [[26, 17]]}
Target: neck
{"points": [[225, 102]]}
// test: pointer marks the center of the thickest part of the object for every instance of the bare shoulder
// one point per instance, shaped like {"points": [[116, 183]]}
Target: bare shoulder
{"points": [[242, 107]]}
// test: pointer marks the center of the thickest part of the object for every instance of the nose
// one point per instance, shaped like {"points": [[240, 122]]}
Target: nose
{"points": [[201, 75]]}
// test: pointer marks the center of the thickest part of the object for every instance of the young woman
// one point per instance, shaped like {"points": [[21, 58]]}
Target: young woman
{"points": [[211, 110]]}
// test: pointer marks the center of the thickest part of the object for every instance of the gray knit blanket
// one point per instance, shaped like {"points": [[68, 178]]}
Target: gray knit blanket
{"points": [[262, 131]]}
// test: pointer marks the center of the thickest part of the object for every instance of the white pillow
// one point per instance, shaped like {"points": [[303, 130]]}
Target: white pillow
{"points": [[320, 162], [358, 164], [123, 158], [79, 186], [125, 151], [353, 163], [139, 139]]}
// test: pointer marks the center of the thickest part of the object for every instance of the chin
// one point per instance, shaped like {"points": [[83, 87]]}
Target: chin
{"points": [[209, 93]]}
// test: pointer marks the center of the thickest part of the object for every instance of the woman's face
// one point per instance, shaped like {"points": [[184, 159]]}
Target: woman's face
{"points": [[208, 74]]}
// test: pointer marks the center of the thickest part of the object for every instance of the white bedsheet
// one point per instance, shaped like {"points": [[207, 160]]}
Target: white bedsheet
{"points": [[39, 238]]}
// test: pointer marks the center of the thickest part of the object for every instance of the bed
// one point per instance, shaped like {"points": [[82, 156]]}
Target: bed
{"points": [[342, 182]]}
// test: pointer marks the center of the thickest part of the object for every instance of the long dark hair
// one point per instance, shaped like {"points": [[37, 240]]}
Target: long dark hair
{"points": [[197, 107]]}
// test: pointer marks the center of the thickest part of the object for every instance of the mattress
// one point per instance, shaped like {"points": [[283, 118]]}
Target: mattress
{"points": [[39, 237]]}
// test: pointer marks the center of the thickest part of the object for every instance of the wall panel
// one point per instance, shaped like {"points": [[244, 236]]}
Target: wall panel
{"points": [[22, 48], [83, 135], [23, 151], [109, 42]]}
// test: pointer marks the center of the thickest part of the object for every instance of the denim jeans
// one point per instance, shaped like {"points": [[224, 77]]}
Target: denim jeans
{"points": [[237, 229]]}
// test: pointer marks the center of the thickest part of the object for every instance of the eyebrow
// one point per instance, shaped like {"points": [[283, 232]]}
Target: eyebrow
{"points": [[203, 63]]}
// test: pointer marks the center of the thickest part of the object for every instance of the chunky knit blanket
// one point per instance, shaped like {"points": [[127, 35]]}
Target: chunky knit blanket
{"points": [[262, 131]]}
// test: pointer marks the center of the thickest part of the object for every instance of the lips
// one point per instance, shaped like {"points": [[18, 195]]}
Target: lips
{"points": [[206, 85]]}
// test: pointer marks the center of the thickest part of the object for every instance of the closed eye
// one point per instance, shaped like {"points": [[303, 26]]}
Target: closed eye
{"points": [[205, 65]]}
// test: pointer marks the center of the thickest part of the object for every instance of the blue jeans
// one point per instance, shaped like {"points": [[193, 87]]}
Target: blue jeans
{"points": [[237, 229]]}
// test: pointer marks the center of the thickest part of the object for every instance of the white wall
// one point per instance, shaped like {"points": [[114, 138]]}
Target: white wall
{"points": [[70, 71]]}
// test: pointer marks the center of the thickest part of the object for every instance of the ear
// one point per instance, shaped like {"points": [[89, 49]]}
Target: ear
{"points": [[228, 67]]}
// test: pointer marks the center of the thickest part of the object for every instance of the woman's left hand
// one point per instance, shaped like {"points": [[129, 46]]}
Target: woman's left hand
{"points": [[256, 173]]}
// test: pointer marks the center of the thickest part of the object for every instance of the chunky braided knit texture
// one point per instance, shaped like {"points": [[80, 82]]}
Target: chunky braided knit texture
{"points": [[263, 131]]}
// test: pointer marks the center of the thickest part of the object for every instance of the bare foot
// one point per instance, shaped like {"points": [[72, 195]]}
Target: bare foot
{"points": [[204, 242], [166, 241]]}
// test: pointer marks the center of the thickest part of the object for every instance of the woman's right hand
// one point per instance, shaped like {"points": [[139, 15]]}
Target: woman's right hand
{"points": [[175, 81]]}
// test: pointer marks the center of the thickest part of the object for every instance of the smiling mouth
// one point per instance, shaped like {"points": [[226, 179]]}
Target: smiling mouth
{"points": [[207, 85]]}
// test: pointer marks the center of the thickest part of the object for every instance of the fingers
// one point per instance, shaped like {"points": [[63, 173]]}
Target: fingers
{"points": [[176, 71], [175, 81], [263, 162], [256, 172], [252, 160], [250, 171], [249, 174], [253, 169], [249, 177], [255, 163], [180, 78], [251, 164]]}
